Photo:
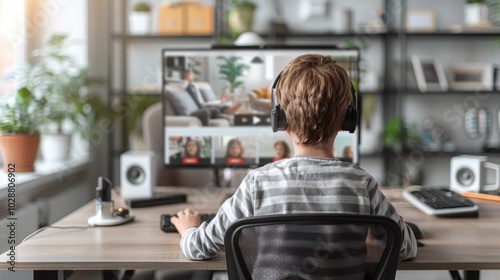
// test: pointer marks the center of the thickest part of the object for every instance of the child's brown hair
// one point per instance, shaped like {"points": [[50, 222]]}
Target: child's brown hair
{"points": [[315, 92]]}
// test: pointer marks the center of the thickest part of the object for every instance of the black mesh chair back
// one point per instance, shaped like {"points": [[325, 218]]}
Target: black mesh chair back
{"points": [[313, 246]]}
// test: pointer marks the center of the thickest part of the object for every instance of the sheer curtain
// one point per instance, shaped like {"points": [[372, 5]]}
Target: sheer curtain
{"points": [[13, 40]]}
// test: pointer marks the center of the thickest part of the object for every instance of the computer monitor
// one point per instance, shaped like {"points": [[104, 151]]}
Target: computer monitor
{"points": [[223, 120]]}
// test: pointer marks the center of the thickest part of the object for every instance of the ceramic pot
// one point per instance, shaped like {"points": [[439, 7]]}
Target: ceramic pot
{"points": [[475, 14], [19, 150], [140, 23], [55, 147], [240, 20]]}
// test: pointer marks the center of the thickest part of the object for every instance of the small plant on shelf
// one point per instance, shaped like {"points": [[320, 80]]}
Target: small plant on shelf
{"points": [[240, 17], [397, 133], [142, 7], [140, 19]]}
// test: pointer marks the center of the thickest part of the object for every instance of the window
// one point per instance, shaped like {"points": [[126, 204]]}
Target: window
{"points": [[12, 43]]}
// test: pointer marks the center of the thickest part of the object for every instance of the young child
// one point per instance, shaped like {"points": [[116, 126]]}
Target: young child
{"points": [[312, 180], [235, 149], [281, 149], [192, 149]]}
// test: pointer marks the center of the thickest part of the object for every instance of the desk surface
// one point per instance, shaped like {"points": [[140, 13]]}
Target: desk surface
{"points": [[469, 244]]}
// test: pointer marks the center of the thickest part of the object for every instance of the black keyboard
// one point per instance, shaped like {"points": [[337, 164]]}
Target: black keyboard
{"points": [[441, 202], [166, 226]]}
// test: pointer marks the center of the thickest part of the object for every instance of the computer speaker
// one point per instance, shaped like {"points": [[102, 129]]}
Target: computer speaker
{"points": [[137, 174], [468, 174]]}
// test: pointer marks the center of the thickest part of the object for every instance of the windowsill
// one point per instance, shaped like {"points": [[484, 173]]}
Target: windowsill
{"points": [[45, 170]]}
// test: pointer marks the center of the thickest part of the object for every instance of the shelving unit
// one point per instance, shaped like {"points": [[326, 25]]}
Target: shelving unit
{"points": [[119, 62], [458, 50], [396, 49]]}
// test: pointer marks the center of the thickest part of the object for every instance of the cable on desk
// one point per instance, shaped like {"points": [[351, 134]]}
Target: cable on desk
{"points": [[46, 227]]}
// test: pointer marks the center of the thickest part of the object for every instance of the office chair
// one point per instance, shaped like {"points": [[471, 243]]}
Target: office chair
{"points": [[313, 246]]}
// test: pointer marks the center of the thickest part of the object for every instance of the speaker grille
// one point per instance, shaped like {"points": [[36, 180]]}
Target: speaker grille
{"points": [[136, 175], [465, 177]]}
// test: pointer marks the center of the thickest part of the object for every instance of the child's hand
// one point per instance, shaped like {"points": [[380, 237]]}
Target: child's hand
{"points": [[185, 220]]}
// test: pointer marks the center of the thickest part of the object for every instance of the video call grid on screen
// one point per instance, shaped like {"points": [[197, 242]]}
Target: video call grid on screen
{"points": [[233, 129]]}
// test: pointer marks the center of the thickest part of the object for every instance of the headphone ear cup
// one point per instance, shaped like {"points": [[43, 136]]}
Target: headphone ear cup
{"points": [[274, 119], [278, 119], [282, 124], [351, 114], [350, 119]]}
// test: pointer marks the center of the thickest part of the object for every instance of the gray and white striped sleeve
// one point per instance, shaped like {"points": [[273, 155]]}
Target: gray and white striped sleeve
{"points": [[381, 206], [208, 239]]}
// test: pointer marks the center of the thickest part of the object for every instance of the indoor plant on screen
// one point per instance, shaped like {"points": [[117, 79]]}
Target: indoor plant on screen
{"points": [[19, 126], [231, 70]]}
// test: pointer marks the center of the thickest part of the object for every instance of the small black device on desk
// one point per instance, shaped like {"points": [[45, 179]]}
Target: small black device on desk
{"points": [[158, 199], [166, 226], [440, 202]]}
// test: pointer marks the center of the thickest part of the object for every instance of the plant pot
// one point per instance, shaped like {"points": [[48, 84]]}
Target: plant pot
{"points": [[140, 23], [475, 14], [55, 147], [240, 20], [20, 150]]}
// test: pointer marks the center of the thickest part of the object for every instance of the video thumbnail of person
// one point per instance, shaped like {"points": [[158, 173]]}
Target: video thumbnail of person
{"points": [[190, 150], [234, 150]]}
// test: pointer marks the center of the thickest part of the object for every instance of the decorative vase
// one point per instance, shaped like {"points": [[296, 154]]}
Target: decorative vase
{"points": [[19, 150], [241, 20], [55, 147], [140, 23], [475, 14]]}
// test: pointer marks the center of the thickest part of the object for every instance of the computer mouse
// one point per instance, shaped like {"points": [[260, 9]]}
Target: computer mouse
{"points": [[416, 231]]}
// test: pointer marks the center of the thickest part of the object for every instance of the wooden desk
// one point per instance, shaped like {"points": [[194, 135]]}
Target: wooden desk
{"points": [[451, 244]]}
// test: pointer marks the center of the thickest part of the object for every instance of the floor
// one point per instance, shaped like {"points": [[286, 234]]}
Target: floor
{"points": [[401, 275]]}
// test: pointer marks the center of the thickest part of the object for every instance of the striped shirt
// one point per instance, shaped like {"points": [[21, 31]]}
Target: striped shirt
{"points": [[296, 185]]}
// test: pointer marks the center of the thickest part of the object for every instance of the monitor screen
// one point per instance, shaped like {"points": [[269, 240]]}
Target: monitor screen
{"points": [[217, 106]]}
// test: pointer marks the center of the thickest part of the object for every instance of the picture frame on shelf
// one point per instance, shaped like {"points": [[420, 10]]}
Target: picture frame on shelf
{"points": [[429, 74], [473, 76], [420, 20]]}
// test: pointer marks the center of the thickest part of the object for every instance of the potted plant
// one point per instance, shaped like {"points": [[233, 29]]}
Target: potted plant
{"points": [[20, 138], [63, 87], [231, 70], [140, 19], [475, 12], [240, 17], [397, 132]]}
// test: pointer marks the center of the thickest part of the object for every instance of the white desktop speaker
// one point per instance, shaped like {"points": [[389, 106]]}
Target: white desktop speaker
{"points": [[468, 174], [137, 174]]}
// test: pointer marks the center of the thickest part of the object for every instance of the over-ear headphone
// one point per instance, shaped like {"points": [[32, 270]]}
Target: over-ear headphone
{"points": [[278, 115]]}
